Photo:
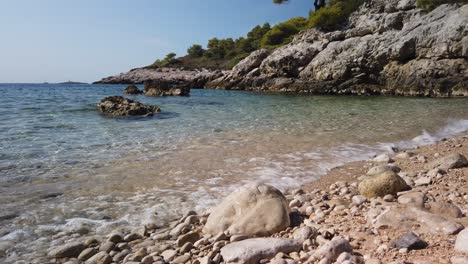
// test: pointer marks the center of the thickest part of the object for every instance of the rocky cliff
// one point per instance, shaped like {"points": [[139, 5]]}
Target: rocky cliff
{"points": [[388, 47]]}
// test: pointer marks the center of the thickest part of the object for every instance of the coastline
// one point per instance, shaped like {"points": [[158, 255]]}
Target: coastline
{"points": [[341, 218]]}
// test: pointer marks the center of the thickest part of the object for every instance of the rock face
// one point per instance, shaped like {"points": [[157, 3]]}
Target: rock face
{"points": [[382, 184], [254, 210], [121, 106], [251, 251], [163, 88], [388, 47], [132, 89]]}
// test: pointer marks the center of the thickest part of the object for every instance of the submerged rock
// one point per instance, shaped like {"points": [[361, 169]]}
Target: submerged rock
{"points": [[251, 251], [254, 210], [163, 88], [121, 106], [132, 89]]}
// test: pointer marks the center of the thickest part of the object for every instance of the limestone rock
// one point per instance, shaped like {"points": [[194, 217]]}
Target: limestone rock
{"points": [[163, 88], [416, 199], [445, 209], [69, 250], [382, 184], [251, 251], [120, 106], [254, 210], [383, 168], [132, 89], [451, 161], [461, 244]]}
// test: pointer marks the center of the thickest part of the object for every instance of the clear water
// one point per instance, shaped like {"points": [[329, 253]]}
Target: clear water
{"points": [[121, 172]]}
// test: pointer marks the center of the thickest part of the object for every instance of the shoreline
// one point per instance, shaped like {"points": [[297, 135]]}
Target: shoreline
{"points": [[342, 217]]}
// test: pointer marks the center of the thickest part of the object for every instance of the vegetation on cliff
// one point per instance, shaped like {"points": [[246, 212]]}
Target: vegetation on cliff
{"points": [[225, 53]]}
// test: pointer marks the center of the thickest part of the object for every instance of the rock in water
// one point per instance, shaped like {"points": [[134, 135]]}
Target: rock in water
{"points": [[253, 210], [461, 244], [251, 251], [132, 89], [382, 184], [163, 88], [409, 241], [451, 161], [121, 106]]}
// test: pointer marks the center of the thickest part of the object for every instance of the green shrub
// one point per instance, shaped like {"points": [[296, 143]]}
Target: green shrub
{"points": [[283, 33], [334, 15], [432, 4]]}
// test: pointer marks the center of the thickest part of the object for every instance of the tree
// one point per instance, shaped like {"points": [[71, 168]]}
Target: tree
{"points": [[195, 51], [170, 57], [317, 3]]}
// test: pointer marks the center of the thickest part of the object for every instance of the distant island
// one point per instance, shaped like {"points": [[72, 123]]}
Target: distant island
{"points": [[71, 82]]}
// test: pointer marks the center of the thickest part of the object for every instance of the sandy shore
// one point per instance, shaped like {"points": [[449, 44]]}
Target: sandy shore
{"points": [[331, 209]]}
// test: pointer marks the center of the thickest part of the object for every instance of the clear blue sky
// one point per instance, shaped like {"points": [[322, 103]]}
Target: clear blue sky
{"points": [[84, 40]]}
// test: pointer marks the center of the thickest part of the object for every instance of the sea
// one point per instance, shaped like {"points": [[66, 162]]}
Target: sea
{"points": [[66, 171]]}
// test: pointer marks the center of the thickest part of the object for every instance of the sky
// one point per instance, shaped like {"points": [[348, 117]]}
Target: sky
{"points": [[86, 40]]}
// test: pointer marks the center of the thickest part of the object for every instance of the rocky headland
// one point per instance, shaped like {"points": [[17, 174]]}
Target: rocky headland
{"points": [[405, 207], [388, 47]]}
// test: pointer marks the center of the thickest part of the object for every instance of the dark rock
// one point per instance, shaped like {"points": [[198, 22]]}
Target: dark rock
{"points": [[409, 241], [121, 106], [163, 88], [132, 89]]}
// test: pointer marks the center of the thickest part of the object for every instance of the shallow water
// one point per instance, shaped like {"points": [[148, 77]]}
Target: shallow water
{"points": [[65, 169]]}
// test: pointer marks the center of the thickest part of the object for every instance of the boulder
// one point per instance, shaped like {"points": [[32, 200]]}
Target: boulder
{"points": [[445, 209], [121, 106], [461, 244], [410, 241], [382, 184], [163, 88], [451, 161], [132, 89], [251, 251], [69, 250], [253, 210]]}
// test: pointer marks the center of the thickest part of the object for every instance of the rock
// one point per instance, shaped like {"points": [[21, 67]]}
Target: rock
{"points": [[100, 258], [423, 181], [132, 89], [304, 233], [69, 250], [87, 253], [181, 259], [120, 106], [384, 158], [404, 218], [251, 251], [163, 88], [115, 238], [359, 199], [382, 184], [191, 237], [250, 62], [253, 210], [333, 249], [383, 168], [445, 209], [461, 244], [410, 241], [459, 260], [107, 246], [416, 199], [451, 161], [169, 255]]}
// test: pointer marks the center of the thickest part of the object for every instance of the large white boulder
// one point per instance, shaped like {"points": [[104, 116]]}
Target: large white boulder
{"points": [[253, 210]]}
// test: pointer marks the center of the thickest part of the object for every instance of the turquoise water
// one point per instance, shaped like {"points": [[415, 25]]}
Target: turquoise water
{"points": [[64, 167]]}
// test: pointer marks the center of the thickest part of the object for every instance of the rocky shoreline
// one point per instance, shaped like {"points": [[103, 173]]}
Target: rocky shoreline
{"points": [[405, 207], [387, 48]]}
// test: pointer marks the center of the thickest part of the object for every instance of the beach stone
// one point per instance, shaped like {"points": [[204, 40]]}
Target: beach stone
{"points": [[459, 260], [304, 233], [406, 217], [121, 106], [384, 158], [333, 249], [423, 181], [382, 184], [121, 255], [132, 89], [382, 169], [254, 210], [69, 250], [461, 244], [107, 246], [169, 254], [181, 259], [251, 251], [359, 199], [445, 209], [410, 241], [415, 199], [100, 258], [87, 253], [176, 231], [236, 238], [191, 237], [403, 155], [186, 247], [115, 238], [132, 237], [451, 161]]}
